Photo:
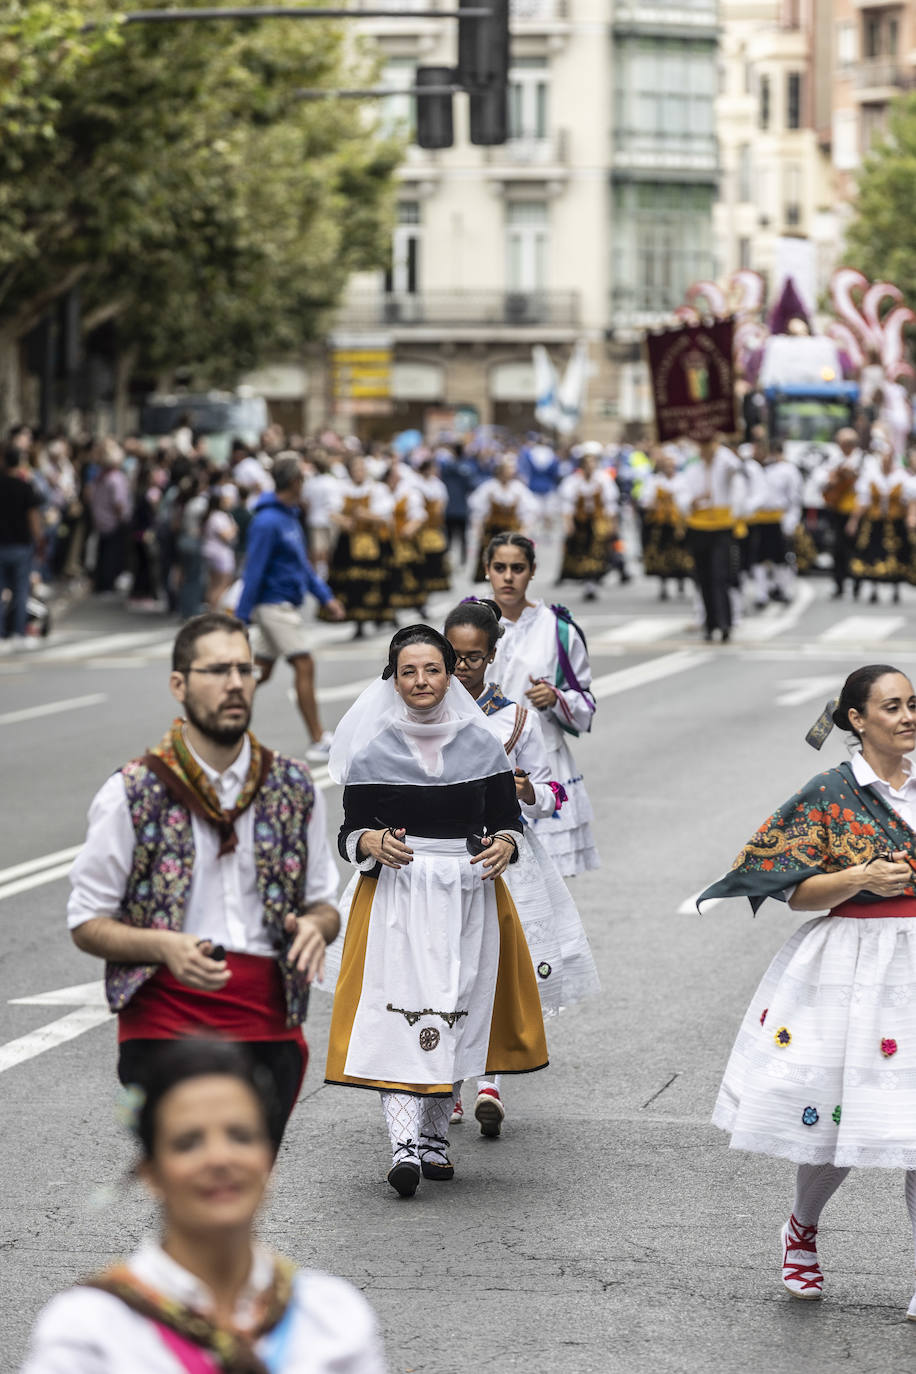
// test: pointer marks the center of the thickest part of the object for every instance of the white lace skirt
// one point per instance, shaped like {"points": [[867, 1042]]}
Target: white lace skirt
{"points": [[567, 837], [824, 1066]]}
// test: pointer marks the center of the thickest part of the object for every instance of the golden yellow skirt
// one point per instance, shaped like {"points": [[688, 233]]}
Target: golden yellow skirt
{"points": [[517, 1041]]}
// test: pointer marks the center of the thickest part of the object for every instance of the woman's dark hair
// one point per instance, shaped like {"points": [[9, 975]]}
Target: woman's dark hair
{"points": [[419, 634], [518, 541], [481, 614], [197, 1057], [856, 691]]}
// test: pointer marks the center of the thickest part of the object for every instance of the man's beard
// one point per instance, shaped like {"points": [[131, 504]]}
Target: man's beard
{"points": [[210, 726]]}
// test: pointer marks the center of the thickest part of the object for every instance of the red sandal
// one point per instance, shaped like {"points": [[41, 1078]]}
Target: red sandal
{"points": [[801, 1273]]}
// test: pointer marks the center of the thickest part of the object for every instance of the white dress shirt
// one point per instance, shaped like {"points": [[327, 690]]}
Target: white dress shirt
{"points": [[719, 483], [903, 800], [333, 1330], [223, 902]]}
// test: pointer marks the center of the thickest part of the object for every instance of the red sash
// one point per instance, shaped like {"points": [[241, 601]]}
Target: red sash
{"points": [[250, 1007], [890, 906]]}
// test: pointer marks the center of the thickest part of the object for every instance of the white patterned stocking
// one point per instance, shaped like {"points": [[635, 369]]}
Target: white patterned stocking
{"points": [[402, 1117]]}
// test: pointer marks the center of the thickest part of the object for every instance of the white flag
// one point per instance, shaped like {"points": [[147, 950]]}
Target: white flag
{"points": [[571, 395], [546, 411]]}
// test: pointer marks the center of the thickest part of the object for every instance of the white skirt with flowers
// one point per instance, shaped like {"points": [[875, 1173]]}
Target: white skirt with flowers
{"points": [[824, 1067]]}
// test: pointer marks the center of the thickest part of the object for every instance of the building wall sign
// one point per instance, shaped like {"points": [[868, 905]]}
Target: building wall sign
{"points": [[693, 380], [513, 382], [361, 377], [417, 382]]}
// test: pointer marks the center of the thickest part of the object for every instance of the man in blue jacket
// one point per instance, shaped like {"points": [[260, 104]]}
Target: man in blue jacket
{"points": [[276, 580]]}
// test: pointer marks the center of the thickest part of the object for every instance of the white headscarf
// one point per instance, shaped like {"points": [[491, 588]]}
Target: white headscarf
{"points": [[426, 733]]}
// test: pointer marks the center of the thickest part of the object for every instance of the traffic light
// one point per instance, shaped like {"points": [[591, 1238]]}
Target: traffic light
{"points": [[483, 69], [434, 112]]}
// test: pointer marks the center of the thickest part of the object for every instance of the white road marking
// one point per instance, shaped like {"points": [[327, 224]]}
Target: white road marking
{"points": [[32, 865], [53, 708], [652, 671], [47, 875], [48, 1037], [689, 908], [769, 626], [96, 645], [79, 995], [796, 691], [645, 630], [863, 628]]}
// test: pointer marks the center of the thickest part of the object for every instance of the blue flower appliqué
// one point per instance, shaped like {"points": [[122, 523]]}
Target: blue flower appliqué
{"points": [[810, 1116]]}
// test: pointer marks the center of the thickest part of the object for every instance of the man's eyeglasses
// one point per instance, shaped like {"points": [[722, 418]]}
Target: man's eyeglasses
{"points": [[470, 660], [246, 671]]}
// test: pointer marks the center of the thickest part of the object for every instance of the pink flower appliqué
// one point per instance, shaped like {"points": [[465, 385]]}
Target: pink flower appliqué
{"points": [[888, 1047]]}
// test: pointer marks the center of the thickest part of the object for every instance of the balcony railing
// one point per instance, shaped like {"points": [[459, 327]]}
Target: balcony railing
{"points": [[459, 310], [641, 15], [526, 11], [531, 151], [877, 73], [637, 150]]}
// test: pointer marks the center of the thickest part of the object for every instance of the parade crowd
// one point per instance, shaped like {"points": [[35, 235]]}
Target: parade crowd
{"points": [[208, 887]]}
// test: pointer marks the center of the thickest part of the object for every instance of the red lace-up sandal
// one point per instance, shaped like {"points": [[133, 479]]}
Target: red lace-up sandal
{"points": [[801, 1273]]}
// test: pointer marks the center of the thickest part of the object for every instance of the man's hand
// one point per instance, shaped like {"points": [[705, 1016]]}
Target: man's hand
{"points": [[524, 789], [335, 609], [186, 959], [307, 951]]}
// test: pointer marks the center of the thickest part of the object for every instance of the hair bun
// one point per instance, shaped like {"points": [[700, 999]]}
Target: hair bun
{"points": [[491, 606]]}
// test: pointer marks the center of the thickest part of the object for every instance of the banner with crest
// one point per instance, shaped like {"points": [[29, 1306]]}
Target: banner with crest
{"points": [[693, 380]]}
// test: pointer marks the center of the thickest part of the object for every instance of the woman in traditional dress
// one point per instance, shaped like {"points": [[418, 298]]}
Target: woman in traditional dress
{"points": [[542, 662], [664, 546], [436, 982], [824, 1068], [207, 1296], [589, 501], [553, 928], [881, 524], [503, 502], [406, 559], [360, 576], [433, 537]]}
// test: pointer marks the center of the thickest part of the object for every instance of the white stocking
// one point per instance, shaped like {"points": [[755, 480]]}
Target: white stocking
{"points": [[910, 1187], [435, 1113], [402, 1117], [490, 1080], [815, 1185]]}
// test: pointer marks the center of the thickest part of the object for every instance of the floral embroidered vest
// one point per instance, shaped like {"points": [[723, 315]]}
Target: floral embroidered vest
{"points": [[160, 878]]}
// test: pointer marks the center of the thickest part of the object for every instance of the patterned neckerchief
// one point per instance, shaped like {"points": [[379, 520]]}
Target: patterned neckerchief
{"points": [[493, 700], [231, 1351], [186, 780]]}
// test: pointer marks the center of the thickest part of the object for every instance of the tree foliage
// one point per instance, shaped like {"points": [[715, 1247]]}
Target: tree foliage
{"points": [[881, 238], [172, 171]]}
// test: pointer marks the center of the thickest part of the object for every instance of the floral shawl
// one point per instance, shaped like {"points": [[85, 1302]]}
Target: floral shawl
{"points": [[831, 824]]}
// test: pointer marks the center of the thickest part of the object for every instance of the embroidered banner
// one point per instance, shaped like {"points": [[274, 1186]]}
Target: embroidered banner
{"points": [[693, 382]]}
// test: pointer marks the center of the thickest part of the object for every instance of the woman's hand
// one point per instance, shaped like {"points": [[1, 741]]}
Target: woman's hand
{"points": [[495, 857], [541, 695], [386, 847], [524, 788], [889, 878]]}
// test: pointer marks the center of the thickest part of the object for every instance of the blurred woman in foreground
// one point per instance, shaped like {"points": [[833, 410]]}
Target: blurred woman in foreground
{"points": [[206, 1298]]}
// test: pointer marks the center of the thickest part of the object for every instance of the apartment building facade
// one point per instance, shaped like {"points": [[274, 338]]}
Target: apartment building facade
{"points": [[588, 223], [776, 175]]}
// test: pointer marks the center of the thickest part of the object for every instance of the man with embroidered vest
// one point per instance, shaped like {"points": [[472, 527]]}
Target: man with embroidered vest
{"points": [[207, 882]]}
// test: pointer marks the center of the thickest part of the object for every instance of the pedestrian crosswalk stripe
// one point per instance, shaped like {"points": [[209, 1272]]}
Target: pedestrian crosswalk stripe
{"points": [[645, 630], [863, 627]]}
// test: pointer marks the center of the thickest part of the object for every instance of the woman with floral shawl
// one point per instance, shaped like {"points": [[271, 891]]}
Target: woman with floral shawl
{"points": [[823, 1071]]}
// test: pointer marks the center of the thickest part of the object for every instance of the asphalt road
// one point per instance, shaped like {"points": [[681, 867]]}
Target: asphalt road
{"points": [[610, 1228]]}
